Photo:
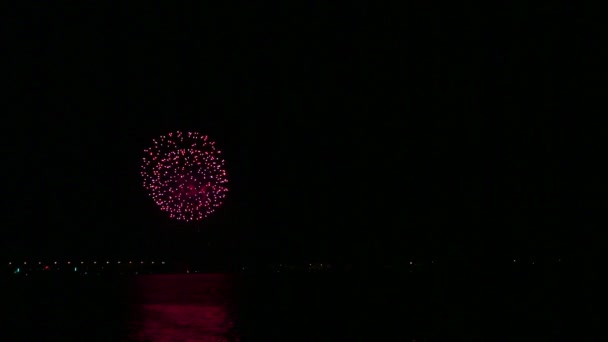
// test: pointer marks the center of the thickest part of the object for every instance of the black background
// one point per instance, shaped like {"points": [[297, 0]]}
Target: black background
{"points": [[352, 132]]}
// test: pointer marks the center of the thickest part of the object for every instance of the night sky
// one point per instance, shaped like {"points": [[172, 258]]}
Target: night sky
{"points": [[349, 132]]}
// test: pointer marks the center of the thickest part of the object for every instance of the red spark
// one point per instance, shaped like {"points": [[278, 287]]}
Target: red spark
{"points": [[185, 175]]}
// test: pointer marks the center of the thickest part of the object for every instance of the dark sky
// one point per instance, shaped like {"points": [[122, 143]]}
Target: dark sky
{"points": [[397, 130]]}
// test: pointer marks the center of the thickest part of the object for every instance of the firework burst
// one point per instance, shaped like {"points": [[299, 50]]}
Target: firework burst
{"points": [[185, 176]]}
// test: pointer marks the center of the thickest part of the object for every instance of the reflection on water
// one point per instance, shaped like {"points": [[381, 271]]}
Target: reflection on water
{"points": [[304, 307], [183, 323], [183, 308]]}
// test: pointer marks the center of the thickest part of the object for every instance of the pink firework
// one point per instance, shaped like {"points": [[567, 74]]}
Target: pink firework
{"points": [[184, 174]]}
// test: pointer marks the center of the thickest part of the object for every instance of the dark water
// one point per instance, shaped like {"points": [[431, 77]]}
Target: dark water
{"points": [[218, 307]]}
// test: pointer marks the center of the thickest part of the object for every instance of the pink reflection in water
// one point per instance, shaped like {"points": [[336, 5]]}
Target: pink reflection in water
{"points": [[184, 308], [183, 323]]}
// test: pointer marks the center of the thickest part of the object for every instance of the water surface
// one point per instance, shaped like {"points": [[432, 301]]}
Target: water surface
{"points": [[303, 307]]}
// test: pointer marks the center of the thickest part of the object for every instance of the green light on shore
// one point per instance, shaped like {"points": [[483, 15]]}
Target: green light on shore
{"points": [[75, 269], [18, 270]]}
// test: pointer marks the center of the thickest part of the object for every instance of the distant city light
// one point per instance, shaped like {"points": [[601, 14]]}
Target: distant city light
{"points": [[163, 262], [119, 262], [514, 260], [39, 263], [95, 262], [82, 262], [411, 262], [25, 262], [10, 263], [69, 262], [55, 263], [107, 262]]}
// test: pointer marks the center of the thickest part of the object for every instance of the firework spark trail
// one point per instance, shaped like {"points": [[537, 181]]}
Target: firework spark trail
{"points": [[185, 176]]}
